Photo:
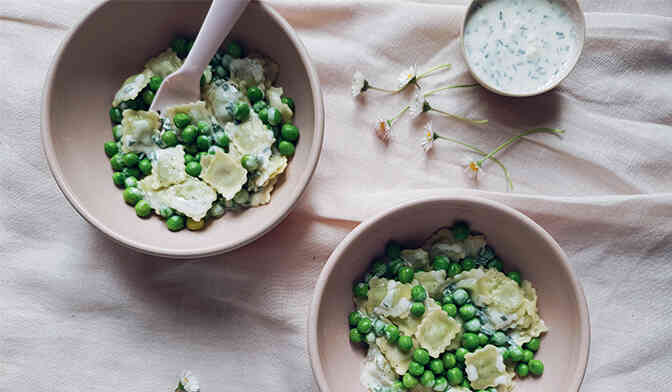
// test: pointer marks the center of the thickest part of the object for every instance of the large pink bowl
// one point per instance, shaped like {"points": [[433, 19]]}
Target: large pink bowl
{"points": [[522, 244]]}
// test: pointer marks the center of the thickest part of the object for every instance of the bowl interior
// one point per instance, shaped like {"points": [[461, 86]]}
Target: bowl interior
{"points": [[575, 13], [115, 41], [520, 243]]}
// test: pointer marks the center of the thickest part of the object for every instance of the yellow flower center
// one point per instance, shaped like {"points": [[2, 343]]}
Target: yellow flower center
{"points": [[473, 166], [381, 126]]}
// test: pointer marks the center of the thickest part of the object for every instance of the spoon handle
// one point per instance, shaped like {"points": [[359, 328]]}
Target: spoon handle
{"points": [[219, 21]]}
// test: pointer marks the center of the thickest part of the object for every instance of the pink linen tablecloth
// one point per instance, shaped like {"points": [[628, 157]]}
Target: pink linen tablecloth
{"points": [[78, 312]]}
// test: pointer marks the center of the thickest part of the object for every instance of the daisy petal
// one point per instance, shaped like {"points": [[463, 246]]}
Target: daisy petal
{"points": [[382, 129], [357, 83], [416, 106], [189, 382], [407, 76], [427, 141]]}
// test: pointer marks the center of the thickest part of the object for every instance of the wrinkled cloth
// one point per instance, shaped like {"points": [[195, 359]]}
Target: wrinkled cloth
{"points": [[81, 312]]}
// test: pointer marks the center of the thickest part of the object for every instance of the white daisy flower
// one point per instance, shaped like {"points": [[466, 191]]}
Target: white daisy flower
{"points": [[188, 382], [359, 84], [472, 169], [382, 129], [427, 141], [408, 76], [417, 104]]}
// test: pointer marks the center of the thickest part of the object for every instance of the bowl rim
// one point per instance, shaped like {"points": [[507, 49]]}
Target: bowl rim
{"points": [[56, 171], [582, 41], [318, 293]]}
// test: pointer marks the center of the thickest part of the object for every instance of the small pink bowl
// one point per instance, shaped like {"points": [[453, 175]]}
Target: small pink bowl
{"points": [[522, 244]]}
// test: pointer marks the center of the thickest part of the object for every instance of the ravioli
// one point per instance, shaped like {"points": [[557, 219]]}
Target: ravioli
{"points": [[247, 72], [264, 195], [485, 368], [473, 245], [192, 197], [433, 281], [409, 325], [396, 302], [416, 258], [132, 87], [443, 235], [275, 99], [270, 169], [398, 359], [167, 168], [138, 130], [220, 98], [251, 137], [164, 64], [436, 332], [223, 173], [376, 372], [195, 110]]}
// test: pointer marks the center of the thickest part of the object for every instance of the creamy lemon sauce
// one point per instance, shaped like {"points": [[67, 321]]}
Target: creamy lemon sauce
{"points": [[520, 46]]}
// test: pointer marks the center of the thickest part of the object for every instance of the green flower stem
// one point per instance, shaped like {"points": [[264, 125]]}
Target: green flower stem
{"points": [[433, 69], [482, 153], [455, 116], [440, 89], [518, 137], [401, 113], [370, 87]]}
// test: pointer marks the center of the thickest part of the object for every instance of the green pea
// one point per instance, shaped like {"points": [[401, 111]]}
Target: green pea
{"points": [[392, 333], [258, 106], [417, 309], [533, 345], [169, 138], [454, 269], [263, 115], [191, 149], [189, 158], [193, 168], [166, 212], [515, 276], [427, 379], [436, 366], [290, 132], [115, 115], [111, 149], [286, 148], [460, 353], [379, 328], [416, 368], [249, 162], [203, 127], [418, 293], [536, 367], [241, 111], [393, 267], [181, 120], [468, 264], [148, 97], [274, 116], [155, 82], [355, 336], [179, 46], [221, 139], [379, 268], [132, 196], [470, 341], [216, 210], [483, 339], [467, 312], [451, 309], [421, 356], [364, 325], [117, 132], [405, 343], [514, 354], [498, 338], [522, 370], [353, 318], [460, 297], [234, 49], [189, 134], [221, 71], [243, 196], [405, 274], [145, 166], [203, 143], [119, 179], [143, 209], [131, 172], [496, 264], [447, 299], [288, 101], [466, 384], [409, 381], [361, 290], [454, 376], [131, 159], [398, 386], [440, 263], [254, 94], [130, 182], [473, 325], [460, 231], [527, 356], [449, 360], [441, 384]]}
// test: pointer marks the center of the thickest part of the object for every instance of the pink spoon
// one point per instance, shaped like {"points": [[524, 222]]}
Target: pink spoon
{"points": [[183, 86]]}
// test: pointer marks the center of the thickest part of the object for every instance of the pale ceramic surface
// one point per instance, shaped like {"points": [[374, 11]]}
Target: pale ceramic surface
{"points": [[114, 41], [522, 245], [579, 18]]}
